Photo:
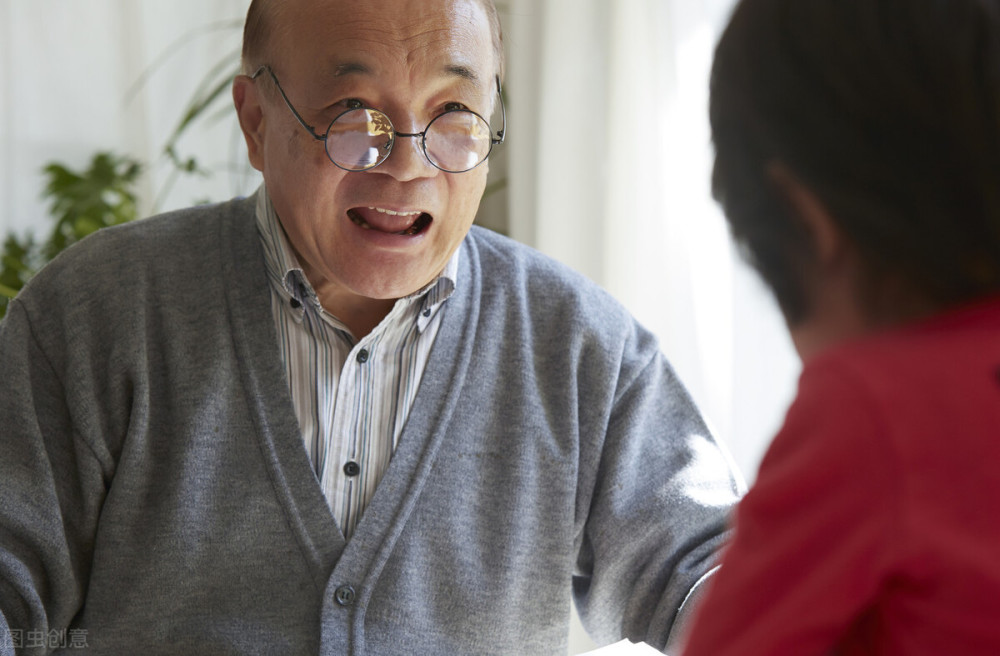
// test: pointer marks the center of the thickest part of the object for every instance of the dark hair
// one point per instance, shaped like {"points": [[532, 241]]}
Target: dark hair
{"points": [[261, 21], [889, 112]]}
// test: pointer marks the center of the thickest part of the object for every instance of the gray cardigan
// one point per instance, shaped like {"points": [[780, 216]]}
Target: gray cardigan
{"points": [[155, 493]]}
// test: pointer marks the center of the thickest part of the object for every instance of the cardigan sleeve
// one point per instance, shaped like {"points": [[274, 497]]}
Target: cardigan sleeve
{"points": [[51, 489], [812, 546], [658, 511]]}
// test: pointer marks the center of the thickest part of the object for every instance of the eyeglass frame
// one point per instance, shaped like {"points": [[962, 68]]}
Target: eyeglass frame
{"points": [[494, 140]]}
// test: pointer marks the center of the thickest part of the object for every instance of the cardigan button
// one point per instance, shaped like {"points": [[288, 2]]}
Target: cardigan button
{"points": [[345, 595]]}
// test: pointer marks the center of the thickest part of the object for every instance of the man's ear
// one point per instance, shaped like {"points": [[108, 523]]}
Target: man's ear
{"points": [[806, 206], [251, 116]]}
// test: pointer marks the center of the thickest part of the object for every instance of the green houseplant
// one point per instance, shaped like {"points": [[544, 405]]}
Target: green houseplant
{"points": [[104, 193], [80, 203]]}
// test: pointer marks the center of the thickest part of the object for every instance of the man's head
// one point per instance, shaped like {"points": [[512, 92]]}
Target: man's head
{"points": [[386, 232], [886, 113]]}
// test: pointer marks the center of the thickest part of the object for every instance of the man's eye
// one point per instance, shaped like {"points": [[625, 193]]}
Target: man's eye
{"points": [[452, 106], [353, 103]]}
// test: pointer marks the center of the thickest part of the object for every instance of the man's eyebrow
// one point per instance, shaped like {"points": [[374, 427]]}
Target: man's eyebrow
{"points": [[464, 72], [351, 68]]}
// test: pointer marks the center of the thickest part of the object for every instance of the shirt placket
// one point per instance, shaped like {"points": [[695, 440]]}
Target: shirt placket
{"points": [[355, 465]]}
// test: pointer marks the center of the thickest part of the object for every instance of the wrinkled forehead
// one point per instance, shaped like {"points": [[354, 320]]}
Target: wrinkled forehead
{"points": [[384, 38]]}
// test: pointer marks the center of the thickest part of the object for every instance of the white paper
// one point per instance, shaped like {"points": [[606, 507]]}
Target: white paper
{"points": [[624, 648]]}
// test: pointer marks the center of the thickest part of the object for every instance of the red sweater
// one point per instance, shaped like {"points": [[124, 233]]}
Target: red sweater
{"points": [[874, 524]]}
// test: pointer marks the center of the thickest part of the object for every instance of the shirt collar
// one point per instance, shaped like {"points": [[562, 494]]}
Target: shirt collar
{"points": [[288, 279]]}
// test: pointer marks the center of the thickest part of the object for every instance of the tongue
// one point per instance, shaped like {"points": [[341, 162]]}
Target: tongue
{"points": [[388, 223]]}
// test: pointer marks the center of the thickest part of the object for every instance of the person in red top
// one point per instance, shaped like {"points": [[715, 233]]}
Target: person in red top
{"points": [[858, 165]]}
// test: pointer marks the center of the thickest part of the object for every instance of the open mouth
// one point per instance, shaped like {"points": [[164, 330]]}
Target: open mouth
{"points": [[390, 222]]}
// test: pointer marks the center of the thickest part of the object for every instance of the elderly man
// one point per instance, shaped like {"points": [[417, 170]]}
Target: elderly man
{"points": [[333, 417]]}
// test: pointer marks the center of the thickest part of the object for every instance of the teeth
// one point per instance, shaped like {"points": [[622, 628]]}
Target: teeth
{"points": [[393, 213]]}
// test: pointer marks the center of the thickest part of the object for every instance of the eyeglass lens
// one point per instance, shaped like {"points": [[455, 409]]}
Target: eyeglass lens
{"points": [[455, 141], [359, 139]]}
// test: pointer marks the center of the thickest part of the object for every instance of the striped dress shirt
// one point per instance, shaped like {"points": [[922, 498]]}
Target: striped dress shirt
{"points": [[351, 397]]}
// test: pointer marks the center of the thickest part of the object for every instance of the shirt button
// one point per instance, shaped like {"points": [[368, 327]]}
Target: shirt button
{"points": [[427, 313], [352, 468], [363, 356], [345, 595], [294, 302]]}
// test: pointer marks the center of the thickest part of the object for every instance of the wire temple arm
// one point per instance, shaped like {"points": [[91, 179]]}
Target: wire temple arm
{"points": [[503, 116], [288, 102]]}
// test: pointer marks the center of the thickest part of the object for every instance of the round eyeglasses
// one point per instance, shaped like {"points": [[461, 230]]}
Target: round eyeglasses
{"points": [[361, 138]]}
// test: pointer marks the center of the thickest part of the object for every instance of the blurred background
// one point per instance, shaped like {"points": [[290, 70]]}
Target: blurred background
{"points": [[606, 165]]}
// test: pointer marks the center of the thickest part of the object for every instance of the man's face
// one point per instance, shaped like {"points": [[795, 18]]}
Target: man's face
{"points": [[412, 59]]}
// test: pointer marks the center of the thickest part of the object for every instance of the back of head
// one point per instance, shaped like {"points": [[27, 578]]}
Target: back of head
{"points": [[889, 112]]}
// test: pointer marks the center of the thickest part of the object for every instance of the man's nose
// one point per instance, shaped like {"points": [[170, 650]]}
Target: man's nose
{"points": [[407, 160]]}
